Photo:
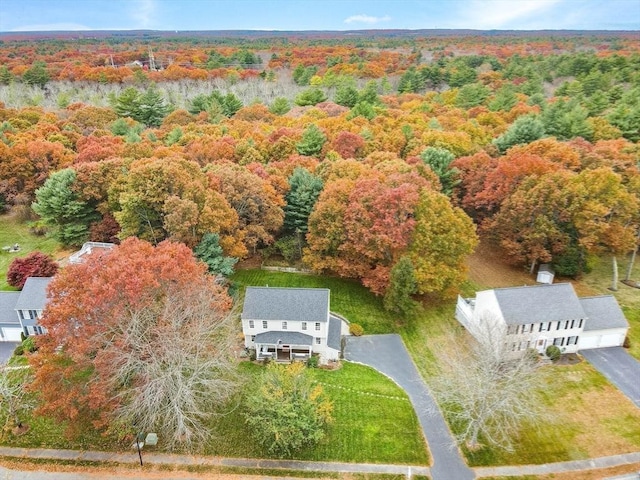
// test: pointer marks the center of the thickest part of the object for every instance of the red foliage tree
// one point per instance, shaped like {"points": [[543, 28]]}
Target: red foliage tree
{"points": [[36, 264]]}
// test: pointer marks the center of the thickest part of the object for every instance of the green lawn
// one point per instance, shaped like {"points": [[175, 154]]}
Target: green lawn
{"points": [[373, 421], [13, 231], [348, 297]]}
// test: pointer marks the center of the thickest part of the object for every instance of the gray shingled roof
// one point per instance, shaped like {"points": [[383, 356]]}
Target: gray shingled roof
{"points": [[334, 337], [295, 304], [539, 303], [8, 302], [34, 294], [286, 338], [603, 312]]}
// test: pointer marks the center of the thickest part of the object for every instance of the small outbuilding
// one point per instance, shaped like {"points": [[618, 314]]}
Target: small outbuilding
{"points": [[545, 274]]}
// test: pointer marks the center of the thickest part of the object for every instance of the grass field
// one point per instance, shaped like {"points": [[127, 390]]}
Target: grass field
{"points": [[13, 231], [373, 421]]}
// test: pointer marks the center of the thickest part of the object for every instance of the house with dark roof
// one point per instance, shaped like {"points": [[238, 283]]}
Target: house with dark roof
{"points": [[10, 327], [541, 315], [31, 303], [20, 311], [286, 324]]}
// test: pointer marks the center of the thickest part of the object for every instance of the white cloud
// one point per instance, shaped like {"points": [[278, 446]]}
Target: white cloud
{"points": [[143, 13], [367, 19], [50, 27]]}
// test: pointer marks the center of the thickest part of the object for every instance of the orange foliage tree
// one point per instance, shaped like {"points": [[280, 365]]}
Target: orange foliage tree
{"points": [[136, 336]]}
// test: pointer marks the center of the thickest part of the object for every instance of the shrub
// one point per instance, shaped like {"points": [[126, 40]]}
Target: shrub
{"points": [[356, 329], [19, 350], [36, 264], [312, 362], [532, 354], [627, 342], [287, 410], [29, 345], [553, 352]]}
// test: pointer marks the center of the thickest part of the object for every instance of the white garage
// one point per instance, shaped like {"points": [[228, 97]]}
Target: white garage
{"points": [[599, 340], [606, 325], [11, 334]]}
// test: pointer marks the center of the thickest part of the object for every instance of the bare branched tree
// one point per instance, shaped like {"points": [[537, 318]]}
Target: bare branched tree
{"points": [[488, 391], [171, 365], [14, 399]]}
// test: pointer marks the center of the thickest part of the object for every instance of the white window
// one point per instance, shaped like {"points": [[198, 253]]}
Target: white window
{"points": [[580, 324], [566, 324], [544, 326], [317, 326], [573, 323], [284, 325], [572, 340], [318, 340], [525, 328], [558, 341], [304, 325], [251, 324], [35, 330], [265, 324], [558, 327]]}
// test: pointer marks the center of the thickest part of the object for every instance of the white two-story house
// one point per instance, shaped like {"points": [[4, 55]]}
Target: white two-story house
{"points": [[541, 315], [288, 324]]}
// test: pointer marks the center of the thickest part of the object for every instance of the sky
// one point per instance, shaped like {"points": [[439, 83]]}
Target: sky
{"points": [[40, 15]]}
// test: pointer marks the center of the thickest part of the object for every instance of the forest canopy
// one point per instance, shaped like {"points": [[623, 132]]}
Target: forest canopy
{"points": [[346, 154]]}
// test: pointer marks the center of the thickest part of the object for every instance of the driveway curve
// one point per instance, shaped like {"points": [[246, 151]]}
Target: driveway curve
{"points": [[619, 367], [388, 355]]}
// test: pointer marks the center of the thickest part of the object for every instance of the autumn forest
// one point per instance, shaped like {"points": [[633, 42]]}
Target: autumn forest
{"points": [[369, 158]]}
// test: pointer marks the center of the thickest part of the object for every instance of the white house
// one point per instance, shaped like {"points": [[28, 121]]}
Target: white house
{"points": [[541, 315], [288, 324]]}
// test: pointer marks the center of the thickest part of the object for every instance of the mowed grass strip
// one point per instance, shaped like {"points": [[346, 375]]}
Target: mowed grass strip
{"points": [[13, 231], [373, 421], [348, 297]]}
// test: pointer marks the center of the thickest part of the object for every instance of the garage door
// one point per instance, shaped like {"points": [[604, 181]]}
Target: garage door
{"points": [[11, 334], [611, 340], [586, 342]]}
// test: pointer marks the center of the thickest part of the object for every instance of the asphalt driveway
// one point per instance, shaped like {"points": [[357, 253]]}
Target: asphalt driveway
{"points": [[388, 355], [619, 367], [6, 350]]}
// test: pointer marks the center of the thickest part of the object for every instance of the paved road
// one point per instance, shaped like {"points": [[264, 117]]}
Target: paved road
{"points": [[388, 355], [6, 350], [619, 367]]}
